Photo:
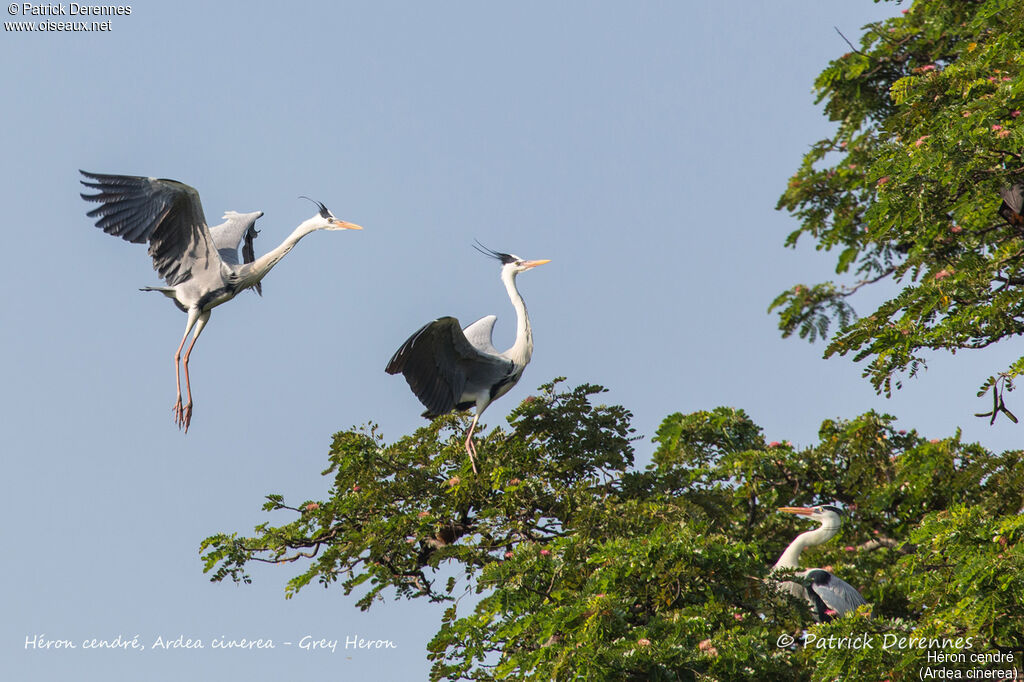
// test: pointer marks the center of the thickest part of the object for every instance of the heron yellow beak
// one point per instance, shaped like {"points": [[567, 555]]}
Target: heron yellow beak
{"points": [[802, 511], [534, 263], [342, 225]]}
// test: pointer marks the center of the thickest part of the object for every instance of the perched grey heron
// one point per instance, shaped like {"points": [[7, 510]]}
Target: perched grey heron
{"points": [[828, 595], [198, 263], [450, 368]]}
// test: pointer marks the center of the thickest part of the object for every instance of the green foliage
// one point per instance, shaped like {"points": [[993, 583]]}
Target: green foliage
{"points": [[907, 190], [590, 569]]}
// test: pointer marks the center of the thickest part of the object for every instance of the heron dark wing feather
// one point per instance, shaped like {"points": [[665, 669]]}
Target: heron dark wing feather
{"points": [[433, 361], [1013, 196], [249, 252], [819, 610], [836, 593], [166, 213]]}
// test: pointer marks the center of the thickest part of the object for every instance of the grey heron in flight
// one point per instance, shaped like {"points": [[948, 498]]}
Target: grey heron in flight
{"points": [[199, 263], [827, 595], [450, 368]]}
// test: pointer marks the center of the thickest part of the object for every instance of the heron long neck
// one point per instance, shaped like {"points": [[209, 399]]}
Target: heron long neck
{"points": [[262, 265], [791, 557], [522, 349]]}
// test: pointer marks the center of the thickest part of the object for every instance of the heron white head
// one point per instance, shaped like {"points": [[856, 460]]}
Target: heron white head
{"points": [[325, 220], [829, 516], [510, 263]]}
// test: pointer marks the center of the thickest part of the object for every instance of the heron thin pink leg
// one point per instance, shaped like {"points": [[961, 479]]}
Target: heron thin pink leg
{"points": [[178, 412], [186, 413], [470, 447]]}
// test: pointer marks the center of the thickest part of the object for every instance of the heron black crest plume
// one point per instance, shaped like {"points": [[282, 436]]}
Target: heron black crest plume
{"points": [[491, 253], [324, 213]]}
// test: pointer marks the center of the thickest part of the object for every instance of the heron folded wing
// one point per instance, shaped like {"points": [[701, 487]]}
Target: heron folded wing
{"points": [[166, 213], [1013, 202], [836, 593]]}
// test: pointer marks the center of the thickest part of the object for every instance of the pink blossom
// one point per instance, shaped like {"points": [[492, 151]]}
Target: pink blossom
{"points": [[920, 140], [454, 481], [1015, 113], [774, 444], [355, 488], [991, 79], [966, 114], [956, 229], [600, 595], [934, 440], [849, 548], [1003, 133], [643, 641], [942, 274], [996, 126], [831, 612], [903, 432], [737, 616], [904, 11], [312, 506], [928, 67], [423, 514], [842, 145], [514, 481], [545, 552], [882, 180], [1006, 78], [508, 555], [852, 166], [705, 645]]}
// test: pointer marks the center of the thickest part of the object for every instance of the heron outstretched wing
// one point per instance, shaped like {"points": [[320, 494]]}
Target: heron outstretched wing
{"points": [[228, 235], [165, 213], [438, 362], [480, 334], [837, 594]]}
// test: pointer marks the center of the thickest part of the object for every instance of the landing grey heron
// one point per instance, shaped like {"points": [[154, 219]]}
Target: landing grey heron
{"points": [[449, 368], [198, 263], [828, 595]]}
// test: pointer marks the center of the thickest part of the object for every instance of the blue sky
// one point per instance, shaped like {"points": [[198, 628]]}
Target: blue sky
{"points": [[639, 146]]}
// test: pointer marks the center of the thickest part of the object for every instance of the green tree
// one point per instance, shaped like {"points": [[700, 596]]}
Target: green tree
{"points": [[907, 192], [587, 567], [591, 569]]}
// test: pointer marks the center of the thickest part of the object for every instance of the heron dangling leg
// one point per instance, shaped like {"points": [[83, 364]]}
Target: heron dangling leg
{"points": [[193, 315], [470, 447], [185, 416]]}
